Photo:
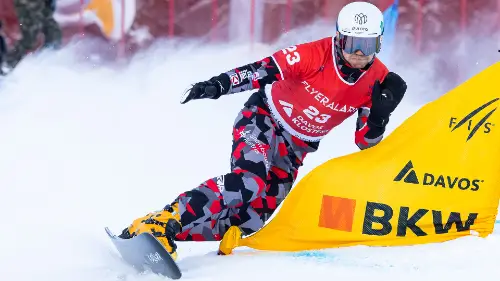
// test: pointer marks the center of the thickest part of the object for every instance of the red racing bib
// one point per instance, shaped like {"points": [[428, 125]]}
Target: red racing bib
{"points": [[311, 98]]}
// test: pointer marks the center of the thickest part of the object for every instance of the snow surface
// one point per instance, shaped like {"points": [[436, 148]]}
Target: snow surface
{"points": [[84, 146]]}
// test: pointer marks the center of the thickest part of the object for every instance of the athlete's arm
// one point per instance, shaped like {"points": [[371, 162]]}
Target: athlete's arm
{"points": [[251, 76], [283, 64], [374, 116]]}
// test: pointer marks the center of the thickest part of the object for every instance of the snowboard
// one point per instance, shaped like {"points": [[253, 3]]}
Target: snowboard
{"points": [[145, 252]]}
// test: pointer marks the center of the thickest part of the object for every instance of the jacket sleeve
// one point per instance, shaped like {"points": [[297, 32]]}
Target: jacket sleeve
{"points": [[251, 76], [367, 136], [286, 63]]}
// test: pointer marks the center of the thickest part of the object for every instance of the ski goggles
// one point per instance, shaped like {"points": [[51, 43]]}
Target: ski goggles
{"points": [[367, 45]]}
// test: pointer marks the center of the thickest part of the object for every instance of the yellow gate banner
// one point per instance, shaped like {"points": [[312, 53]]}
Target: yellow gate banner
{"points": [[435, 178]]}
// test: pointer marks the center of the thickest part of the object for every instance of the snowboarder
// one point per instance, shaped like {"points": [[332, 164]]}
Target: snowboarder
{"points": [[304, 91]]}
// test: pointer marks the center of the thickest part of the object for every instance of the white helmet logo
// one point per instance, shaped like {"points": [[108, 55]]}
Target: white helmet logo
{"points": [[360, 19]]}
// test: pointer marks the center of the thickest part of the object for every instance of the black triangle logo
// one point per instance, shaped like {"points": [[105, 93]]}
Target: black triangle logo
{"points": [[411, 177]]}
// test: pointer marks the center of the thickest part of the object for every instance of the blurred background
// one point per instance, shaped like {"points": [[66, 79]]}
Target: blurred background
{"points": [[456, 38]]}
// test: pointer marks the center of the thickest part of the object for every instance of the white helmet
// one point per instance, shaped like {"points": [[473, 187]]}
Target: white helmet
{"points": [[361, 26]]}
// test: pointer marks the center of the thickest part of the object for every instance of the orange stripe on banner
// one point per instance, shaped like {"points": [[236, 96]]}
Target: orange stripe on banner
{"points": [[337, 213]]}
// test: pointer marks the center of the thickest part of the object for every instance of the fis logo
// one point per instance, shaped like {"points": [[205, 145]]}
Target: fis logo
{"points": [[408, 175], [473, 127]]}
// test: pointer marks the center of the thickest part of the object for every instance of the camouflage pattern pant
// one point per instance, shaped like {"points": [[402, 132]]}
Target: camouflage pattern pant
{"points": [[35, 17], [264, 165]]}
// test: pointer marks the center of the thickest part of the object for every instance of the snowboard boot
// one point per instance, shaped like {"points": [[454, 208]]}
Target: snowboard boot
{"points": [[164, 225]]}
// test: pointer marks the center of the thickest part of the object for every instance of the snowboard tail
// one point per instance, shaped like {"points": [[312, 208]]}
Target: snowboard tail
{"points": [[145, 252]]}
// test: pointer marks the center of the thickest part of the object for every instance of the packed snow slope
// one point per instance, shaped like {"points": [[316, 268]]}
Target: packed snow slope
{"points": [[85, 146]]}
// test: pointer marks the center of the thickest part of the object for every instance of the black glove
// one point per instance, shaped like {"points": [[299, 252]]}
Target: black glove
{"points": [[386, 96], [211, 89]]}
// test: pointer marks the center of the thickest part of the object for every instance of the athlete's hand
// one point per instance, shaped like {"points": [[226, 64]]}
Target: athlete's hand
{"points": [[386, 96], [211, 89]]}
